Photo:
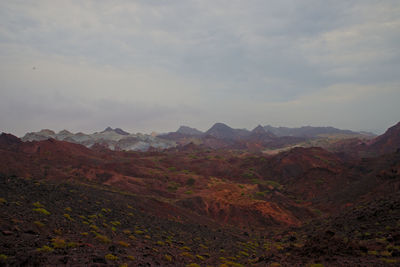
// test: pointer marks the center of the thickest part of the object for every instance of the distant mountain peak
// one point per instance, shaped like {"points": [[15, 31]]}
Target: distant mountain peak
{"points": [[47, 132], [108, 129], [259, 130], [221, 130], [120, 131], [219, 127], [65, 132], [116, 130], [188, 130]]}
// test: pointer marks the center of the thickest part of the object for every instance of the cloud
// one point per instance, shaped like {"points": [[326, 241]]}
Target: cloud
{"points": [[197, 62]]}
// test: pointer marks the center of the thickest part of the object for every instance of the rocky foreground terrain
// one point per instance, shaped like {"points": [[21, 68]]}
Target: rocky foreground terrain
{"points": [[62, 203]]}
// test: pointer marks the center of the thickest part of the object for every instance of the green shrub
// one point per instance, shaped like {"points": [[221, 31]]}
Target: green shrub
{"points": [[3, 257], [243, 253], [172, 186], [38, 205], [103, 239], [111, 257], [127, 232], [38, 224], [72, 244], [124, 244], [190, 182], [139, 232], [67, 216], [58, 242], [45, 249], [187, 254], [42, 210], [200, 257], [168, 257], [94, 227]]}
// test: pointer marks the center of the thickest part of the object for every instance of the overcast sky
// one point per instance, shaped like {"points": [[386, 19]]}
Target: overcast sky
{"points": [[152, 65]]}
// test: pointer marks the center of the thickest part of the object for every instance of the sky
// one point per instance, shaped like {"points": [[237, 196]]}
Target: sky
{"points": [[153, 65]]}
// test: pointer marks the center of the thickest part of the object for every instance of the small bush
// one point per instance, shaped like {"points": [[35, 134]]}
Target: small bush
{"points": [[72, 244], [38, 205], [193, 265], [172, 169], [66, 215], [243, 253], [187, 254], [103, 239], [3, 257], [42, 210], [190, 181], [58, 231], [45, 249], [111, 257], [172, 187], [38, 224], [168, 257], [68, 209], [200, 257], [124, 244], [58, 242], [2, 200], [94, 227], [390, 261]]}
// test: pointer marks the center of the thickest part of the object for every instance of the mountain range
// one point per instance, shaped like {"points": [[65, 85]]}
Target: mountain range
{"points": [[114, 139], [218, 136]]}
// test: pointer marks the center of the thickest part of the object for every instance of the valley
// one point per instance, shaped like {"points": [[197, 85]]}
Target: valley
{"points": [[201, 205]]}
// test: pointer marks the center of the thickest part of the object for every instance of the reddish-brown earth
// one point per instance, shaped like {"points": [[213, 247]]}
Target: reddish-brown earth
{"points": [[193, 204]]}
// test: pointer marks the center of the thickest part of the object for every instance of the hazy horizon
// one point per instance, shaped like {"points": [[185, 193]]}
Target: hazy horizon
{"points": [[151, 65], [57, 130]]}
